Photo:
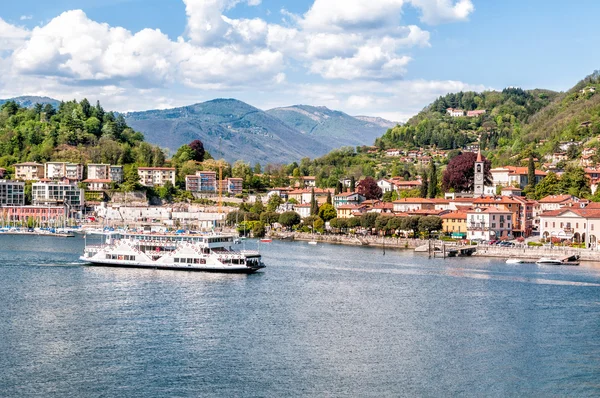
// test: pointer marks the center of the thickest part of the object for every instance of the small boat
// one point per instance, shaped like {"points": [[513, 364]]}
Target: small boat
{"points": [[548, 261], [312, 242], [266, 240], [515, 261]]}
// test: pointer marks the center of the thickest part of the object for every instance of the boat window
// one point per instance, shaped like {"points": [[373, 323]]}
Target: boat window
{"points": [[176, 260], [196, 261]]}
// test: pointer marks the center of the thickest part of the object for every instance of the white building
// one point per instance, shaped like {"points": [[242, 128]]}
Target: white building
{"points": [[53, 193], [488, 223], [303, 209], [59, 170], [12, 193], [456, 112], [156, 176], [578, 224], [555, 202], [386, 185], [514, 176]]}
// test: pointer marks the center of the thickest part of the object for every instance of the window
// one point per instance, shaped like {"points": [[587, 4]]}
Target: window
{"points": [[493, 225]]}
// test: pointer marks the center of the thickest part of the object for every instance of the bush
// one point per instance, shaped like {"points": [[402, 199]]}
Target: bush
{"points": [[534, 244]]}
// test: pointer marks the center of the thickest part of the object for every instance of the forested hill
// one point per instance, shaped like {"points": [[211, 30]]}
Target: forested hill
{"points": [[516, 122], [75, 132]]}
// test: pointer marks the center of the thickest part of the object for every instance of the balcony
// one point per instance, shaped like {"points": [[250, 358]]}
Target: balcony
{"points": [[478, 227]]}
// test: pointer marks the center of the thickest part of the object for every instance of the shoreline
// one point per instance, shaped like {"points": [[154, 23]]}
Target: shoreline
{"points": [[527, 253]]}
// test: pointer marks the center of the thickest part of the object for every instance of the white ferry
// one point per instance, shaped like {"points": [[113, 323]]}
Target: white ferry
{"points": [[212, 253]]}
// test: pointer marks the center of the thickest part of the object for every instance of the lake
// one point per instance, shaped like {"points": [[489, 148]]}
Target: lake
{"points": [[321, 320]]}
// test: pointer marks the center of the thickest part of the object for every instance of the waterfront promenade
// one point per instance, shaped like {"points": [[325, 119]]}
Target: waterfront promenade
{"points": [[525, 252]]}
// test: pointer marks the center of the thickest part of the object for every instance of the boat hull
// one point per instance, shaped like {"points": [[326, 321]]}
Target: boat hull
{"points": [[228, 270]]}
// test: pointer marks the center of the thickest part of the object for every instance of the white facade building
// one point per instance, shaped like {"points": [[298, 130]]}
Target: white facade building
{"points": [[488, 223]]}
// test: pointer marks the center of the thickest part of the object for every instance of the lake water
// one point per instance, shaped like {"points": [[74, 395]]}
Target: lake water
{"points": [[318, 321]]}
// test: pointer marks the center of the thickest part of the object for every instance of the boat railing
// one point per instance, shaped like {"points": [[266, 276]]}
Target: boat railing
{"points": [[250, 252]]}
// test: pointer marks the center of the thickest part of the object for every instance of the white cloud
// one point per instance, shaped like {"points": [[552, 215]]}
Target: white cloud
{"points": [[25, 17], [362, 43], [442, 11], [11, 36]]}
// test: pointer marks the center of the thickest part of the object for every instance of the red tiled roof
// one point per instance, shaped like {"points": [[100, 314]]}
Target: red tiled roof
{"points": [[555, 199], [456, 214], [105, 181]]}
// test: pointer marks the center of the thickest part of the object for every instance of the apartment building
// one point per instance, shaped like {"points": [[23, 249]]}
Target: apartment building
{"points": [[156, 176], [54, 192], [12, 193], [204, 181], [59, 170], [29, 171]]}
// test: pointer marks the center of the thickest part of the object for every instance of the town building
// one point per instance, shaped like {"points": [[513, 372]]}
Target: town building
{"points": [[29, 171], [305, 195], [204, 181], [2, 172], [96, 171], [116, 173], [405, 205], [489, 223], [52, 193], [455, 112], [386, 185], [555, 202], [476, 113], [12, 193], [97, 184], [235, 185], [514, 176], [156, 176], [303, 209], [454, 224], [350, 210], [578, 224], [60, 170], [40, 214], [347, 198]]}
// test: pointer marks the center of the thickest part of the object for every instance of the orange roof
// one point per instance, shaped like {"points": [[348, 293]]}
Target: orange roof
{"points": [[413, 200], [455, 214], [496, 199], [106, 181], [556, 199]]}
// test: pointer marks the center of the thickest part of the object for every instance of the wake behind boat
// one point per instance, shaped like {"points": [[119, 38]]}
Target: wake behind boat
{"points": [[210, 253]]}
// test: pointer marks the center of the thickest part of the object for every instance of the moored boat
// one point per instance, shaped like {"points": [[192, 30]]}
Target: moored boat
{"points": [[211, 253], [549, 261], [266, 240], [515, 261]]}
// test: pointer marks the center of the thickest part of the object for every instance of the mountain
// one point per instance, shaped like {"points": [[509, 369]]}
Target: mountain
{"points": [[28, 101], [378, 121], [333, 128], [235, 130], [228, 128]]}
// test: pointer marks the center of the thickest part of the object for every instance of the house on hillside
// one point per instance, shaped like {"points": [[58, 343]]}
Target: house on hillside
{"points": [[455, 112]]}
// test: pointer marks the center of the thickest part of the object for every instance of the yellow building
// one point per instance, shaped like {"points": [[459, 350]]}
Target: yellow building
{"points": [[348, 211], [455, 224]]}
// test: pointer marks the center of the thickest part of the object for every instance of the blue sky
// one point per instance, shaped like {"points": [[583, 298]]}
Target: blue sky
{"points": [[387, 58]]}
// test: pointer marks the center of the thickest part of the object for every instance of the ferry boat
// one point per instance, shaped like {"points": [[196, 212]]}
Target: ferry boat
{"points": [[212, 253]]}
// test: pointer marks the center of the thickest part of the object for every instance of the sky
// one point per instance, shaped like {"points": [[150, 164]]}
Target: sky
{"points": [[387, 58]]}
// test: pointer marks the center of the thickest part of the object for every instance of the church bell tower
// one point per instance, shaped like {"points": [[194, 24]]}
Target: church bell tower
{"points": [[479, 175]]}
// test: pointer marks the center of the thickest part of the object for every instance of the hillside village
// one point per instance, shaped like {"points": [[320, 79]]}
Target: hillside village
{"points": [[470, 166]]}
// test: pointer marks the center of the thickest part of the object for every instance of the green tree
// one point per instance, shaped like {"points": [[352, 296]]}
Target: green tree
{"points": [[274, 202], [131, 179], [367, 220], [167, 191], [257, 206], [424, 186], [314, 206], [329, 201], [433, 184], [269, 217], [429, 224], [289, 219], [549, 185], [258, 229], [327, 212]]}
